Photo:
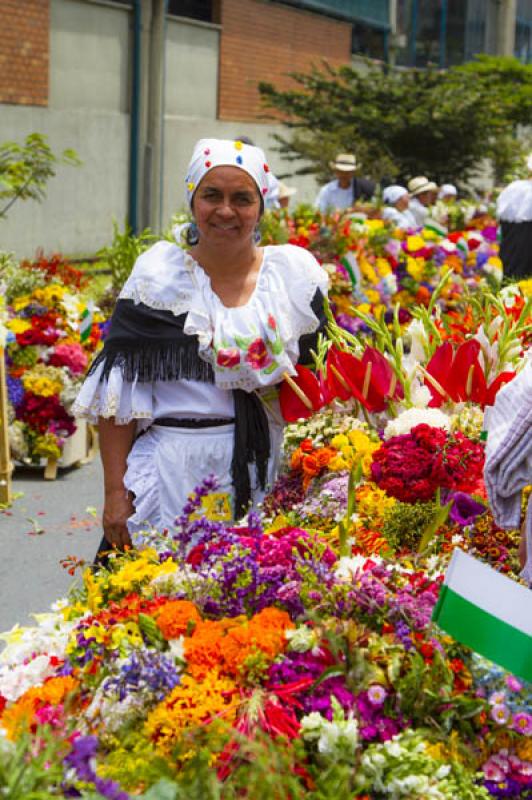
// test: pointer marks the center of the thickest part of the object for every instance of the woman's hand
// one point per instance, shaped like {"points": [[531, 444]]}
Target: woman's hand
{"points": [[117, 508]]}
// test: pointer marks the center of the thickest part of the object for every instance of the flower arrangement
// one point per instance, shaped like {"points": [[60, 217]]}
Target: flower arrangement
{"points": [[50, 338]]}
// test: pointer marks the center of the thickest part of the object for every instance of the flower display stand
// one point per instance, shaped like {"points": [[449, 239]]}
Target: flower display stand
{"points": [[6, 465], [79, 449]]}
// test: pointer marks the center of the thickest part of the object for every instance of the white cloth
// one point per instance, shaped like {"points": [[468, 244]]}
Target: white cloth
{"points": [[514, 203], [271, 199], [332, 197], [508, 465], [211, 153], [419, 212], [401, 219], [165, 465]]}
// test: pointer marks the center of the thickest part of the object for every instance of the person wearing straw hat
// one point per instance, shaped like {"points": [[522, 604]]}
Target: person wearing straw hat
{"points": [[346, 188], [205, 330], [421, 192], [514, 212], [285, 193], [396, 210]]}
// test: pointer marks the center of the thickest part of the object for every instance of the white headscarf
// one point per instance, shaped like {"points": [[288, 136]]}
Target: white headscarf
{"points": [[393, 193], [447, 190], [210, 153]]}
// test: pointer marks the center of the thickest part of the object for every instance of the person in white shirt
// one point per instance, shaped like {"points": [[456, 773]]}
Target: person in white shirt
{"points": [[421, 191], [345, 189], [397, 200], [514, 212]]}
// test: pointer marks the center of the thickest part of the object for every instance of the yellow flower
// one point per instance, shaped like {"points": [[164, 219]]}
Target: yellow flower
{"points": [[49, 295], [415, 267], [94, 595], [374, 224], [339, 441], [373, 295], [21, 302], [43, 381], [142, 568], [414, 243], [337, 464], [18, 325], [383, 266], [526, 287]]}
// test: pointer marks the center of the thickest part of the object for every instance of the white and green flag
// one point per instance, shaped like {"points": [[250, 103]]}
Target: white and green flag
{"points": [[488, 612], [350, 263], [85, 322]]}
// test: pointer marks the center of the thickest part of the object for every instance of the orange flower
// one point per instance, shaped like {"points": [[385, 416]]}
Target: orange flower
{"points": [[310, 465], [20, 715], [307, 446], [324, 455], [177, 617], [296, 459]]}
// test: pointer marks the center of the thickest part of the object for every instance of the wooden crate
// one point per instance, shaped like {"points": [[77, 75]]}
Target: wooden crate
{"points": [[79, 449]]}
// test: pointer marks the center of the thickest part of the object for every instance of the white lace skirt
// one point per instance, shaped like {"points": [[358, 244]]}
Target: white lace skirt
{"points": [[166, 464]]}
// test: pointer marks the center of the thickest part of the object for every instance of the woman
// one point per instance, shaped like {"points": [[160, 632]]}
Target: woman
{"points": [[198, 343], [396, 199]]}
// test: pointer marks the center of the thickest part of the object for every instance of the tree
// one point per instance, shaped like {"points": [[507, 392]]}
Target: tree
{"points": [[402, 123], [25, 169]]}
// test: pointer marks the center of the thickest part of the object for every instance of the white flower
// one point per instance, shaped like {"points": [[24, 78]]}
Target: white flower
{"points": [[420, 395], [301, 639], [348, 567], [416, 416], [311, 726], [419, 340], [177, 648]]}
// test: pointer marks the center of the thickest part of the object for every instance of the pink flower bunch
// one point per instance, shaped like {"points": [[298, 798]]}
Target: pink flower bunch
{"points": [[412, 466], [69, 355]]}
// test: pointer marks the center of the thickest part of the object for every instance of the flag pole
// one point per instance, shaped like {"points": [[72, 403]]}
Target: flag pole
{"points": [[6, 466]]}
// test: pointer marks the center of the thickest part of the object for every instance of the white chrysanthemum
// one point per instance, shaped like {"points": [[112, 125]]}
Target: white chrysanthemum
{"points": [[420, 395], [416, 416]]}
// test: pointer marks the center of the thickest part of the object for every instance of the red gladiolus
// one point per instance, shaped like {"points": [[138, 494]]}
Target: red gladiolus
{"points": [[292, 405]]}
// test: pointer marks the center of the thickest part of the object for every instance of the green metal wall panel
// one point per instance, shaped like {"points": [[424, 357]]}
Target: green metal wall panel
{"points": [[373, 12]]}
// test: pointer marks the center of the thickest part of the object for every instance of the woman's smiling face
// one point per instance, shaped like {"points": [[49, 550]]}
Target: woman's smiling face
{"points": [[226, 206]]}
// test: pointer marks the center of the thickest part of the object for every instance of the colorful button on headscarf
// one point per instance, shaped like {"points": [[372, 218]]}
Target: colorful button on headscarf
{"points": [[211, 153]]}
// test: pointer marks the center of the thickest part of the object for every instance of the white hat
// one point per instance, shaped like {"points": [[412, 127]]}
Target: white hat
{"points": [[210, 153], [393, 193], [421, 184], [345, 162], [447, 190], [286, 191]]}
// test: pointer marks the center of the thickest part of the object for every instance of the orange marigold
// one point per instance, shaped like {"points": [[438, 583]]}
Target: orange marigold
{"points": [[177, 618], [21, 714]]}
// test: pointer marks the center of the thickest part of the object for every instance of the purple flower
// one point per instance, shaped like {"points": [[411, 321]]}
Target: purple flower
{"points": [[500, 714], [522, 722], [81, 760], [15, 391], [465, 509]]}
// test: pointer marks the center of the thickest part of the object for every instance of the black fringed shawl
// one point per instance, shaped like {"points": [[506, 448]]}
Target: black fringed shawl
{"points": [[148, 344]]}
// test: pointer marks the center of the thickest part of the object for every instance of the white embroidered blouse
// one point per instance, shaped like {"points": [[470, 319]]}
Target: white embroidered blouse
{"points": [[249, 346]]}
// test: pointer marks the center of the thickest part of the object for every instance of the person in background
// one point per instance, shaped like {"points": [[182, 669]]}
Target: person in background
{"points": [[397, 200], [514, 212], [346, 189], [285, 193], [448, 193], [421, 191]]}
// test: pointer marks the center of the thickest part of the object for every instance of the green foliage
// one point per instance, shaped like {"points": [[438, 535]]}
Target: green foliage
{"points": [[124, 250], [25, 169], [404, 524], [402, 123], [31, 770]]}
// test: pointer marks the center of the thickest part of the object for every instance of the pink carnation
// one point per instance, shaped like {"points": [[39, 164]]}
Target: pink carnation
{"points": [[69, 355]]}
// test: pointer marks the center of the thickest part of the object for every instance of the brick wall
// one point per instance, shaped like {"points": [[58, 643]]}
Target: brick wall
{"points": [[24, 33], [262, 41]]}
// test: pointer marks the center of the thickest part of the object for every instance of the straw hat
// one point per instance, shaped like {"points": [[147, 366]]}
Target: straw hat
{"points": [[345, 162], [286, 191], [421, 184]]}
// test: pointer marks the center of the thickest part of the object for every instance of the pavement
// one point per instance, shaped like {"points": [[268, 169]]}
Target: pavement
{"points": [[50, 521]]}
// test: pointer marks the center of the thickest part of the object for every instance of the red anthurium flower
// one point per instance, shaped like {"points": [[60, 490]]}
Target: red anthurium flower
{"points": [[495, 385], [300, 396], [459, 376], [337, 362], [371, 379]]}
